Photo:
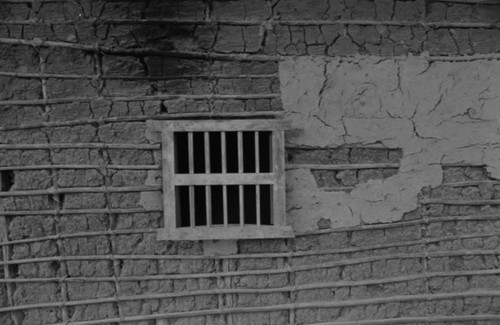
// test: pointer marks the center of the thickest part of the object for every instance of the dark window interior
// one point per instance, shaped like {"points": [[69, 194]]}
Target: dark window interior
{"points": [[255, 158]]}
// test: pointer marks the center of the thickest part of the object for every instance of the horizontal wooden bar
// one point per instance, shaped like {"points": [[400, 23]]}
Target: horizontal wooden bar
{"points": [[461, 202], [96, 48], [282, 22], [70, 190], [75, 211], [470, 183], [139, 118], [230, 232], [368, 227], [337, 188], [39, 75], [225, 125], [52, 167], [36, 102], [343, 166], [41, 146], [223, 179], [416, 320], [137, 51]]}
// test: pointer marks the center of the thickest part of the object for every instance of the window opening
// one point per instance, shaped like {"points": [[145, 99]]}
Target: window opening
{"points": [[224, 175]]}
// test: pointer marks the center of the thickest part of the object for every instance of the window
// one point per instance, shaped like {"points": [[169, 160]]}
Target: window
{"points": [[223, 179]]}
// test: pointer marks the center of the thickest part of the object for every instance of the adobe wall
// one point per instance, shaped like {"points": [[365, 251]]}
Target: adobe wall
{"points": [[392, 163]]}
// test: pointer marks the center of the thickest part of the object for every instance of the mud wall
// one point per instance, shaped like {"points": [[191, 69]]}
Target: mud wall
{"points": [[392, 162]]}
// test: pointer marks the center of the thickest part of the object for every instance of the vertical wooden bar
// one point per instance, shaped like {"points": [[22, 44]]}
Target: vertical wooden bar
{"points": [[208, 189], [257, 152], [240, 170], [240, 152], [242, 206], [278, 168], [191, 152], [208, 201], [228, 284], [224, 170], [224, 203], [223, 151], [257, 203], [207, 152], [168, 162], [191, 207]]}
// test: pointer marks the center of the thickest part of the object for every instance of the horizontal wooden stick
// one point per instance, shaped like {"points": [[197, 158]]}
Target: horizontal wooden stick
{"points": [[343, 166], [400, 224], [78, 145], [284, 22], [423, 24], [139, 118], [464, 58], [337, 188], [142, 51], [83, 234], [461, 202], [36, 102], [415, 320], [470, 183], [76, 211], [34, 75], [71, 190], [117, 167]]}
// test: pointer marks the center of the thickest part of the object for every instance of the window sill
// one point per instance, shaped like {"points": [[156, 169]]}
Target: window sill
{"points": [[221, 232]]}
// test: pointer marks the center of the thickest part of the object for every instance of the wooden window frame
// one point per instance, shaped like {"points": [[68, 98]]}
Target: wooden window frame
{"points": [[276, 178]]}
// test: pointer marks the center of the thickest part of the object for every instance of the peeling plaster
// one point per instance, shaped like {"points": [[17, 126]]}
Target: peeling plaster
{"points": [[439, 112]]}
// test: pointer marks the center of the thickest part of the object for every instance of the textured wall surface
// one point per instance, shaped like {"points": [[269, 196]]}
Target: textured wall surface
{"points": [[392, 165]]}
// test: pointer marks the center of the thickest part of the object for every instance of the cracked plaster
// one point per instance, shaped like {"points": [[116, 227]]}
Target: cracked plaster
{"points": [[436, 112]]}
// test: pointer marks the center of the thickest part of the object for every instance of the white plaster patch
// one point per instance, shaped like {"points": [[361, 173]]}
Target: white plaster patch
{"points": [[439, 112]]}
